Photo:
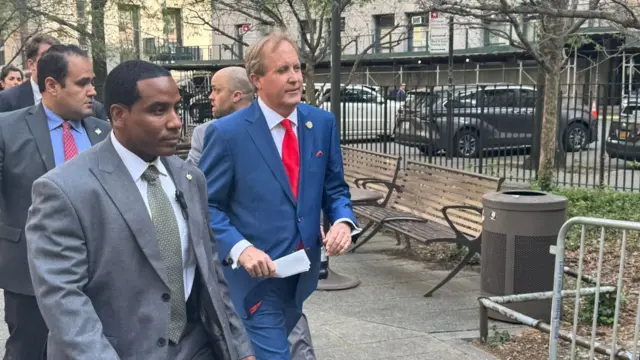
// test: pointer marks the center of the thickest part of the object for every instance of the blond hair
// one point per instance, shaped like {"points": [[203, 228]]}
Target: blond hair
{"points": [[254, 57]]}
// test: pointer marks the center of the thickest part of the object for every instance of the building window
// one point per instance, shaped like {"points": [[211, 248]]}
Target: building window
{"points": [[496, 33], [149, 46], [129, 31], [383, 24], [418, 31], [172, 29], [2, 59], [529, 28]]}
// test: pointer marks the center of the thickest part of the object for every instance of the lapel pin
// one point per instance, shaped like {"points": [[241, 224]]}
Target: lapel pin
{"points": [[98, 131], [189, 177], [309, 124]]}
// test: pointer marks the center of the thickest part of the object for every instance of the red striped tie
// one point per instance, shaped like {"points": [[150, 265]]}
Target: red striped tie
{"points": [[68, 142]]}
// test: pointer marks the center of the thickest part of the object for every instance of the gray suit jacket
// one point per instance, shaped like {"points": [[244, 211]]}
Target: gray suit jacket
{"points": [[197, 143], [96, 267], [26, 154]]}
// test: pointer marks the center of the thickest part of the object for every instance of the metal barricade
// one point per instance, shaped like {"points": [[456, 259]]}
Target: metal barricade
{"points": [[614, 350]]}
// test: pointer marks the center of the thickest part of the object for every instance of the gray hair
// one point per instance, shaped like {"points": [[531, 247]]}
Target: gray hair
{"points": [[254, 57]]}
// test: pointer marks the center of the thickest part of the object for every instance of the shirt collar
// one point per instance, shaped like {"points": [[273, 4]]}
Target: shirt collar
{"points": [[36, 90], [273, 118], [56, 121], [133, 162]]}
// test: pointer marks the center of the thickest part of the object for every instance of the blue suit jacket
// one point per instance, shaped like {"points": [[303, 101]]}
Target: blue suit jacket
{"points": [[250, 196]]}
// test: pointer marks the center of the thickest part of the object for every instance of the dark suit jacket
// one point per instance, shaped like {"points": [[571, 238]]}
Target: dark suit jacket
{"points": [[21, 96], [26, 154]]}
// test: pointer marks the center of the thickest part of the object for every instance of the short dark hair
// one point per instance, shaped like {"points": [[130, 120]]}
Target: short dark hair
{"points": [[7, 69], [121, 86], [33, 45], [54, 63]]}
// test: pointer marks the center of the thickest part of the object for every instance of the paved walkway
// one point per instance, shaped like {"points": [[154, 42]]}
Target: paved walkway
{"points": [[386, 317]]}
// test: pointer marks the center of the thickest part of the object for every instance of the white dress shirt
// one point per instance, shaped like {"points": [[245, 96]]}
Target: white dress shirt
{"points": [[277, 132], [37, 95], [137, 167]]}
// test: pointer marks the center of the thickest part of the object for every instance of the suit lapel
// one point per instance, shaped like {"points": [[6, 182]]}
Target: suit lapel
{"points": [[117, 182], [261, 136], [178, 173], [305, 136], [37, 122], [94, 133]]}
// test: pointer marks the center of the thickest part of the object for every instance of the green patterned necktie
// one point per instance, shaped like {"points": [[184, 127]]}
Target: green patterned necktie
{"points": [[168, 235]]}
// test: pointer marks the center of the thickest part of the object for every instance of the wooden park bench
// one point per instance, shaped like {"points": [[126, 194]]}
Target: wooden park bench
{"points": [[433, 204], [364, 165]]}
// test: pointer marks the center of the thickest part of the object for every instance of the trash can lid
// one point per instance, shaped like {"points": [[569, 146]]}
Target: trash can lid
{"points": [[524, 200]]}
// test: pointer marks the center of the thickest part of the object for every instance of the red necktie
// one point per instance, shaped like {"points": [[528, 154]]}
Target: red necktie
{"points": [[291, 160], [291, 156], [68, 142]]}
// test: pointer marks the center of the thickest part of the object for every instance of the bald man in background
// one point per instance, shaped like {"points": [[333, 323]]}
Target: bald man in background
{"points": [[231, 91]]}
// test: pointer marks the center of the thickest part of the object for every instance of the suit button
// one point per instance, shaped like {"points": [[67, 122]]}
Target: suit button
{"points": [[166, 297], [162, 342], [300, 219]]}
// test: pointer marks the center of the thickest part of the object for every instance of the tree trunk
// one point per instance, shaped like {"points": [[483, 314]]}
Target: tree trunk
{"points": [[81, 14], [98, 46], [549, 134], [310, 76]]}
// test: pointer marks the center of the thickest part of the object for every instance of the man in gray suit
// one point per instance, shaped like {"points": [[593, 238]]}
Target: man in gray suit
{"points": [[231, 91], [34, 140], [120, 251]]}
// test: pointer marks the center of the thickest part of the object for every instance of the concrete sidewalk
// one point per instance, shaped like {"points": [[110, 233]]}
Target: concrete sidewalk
{"points": [[386, 317]]}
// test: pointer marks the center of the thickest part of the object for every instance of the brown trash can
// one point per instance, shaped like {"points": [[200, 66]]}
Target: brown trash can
{"points": [[519, 226]]}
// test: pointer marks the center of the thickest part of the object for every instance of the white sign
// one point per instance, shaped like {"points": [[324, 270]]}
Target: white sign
{"points": [[438, 33]]}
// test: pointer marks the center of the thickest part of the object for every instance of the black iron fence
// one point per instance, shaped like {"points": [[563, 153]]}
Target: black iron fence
{"points": [[495, 129], [491, 129]]}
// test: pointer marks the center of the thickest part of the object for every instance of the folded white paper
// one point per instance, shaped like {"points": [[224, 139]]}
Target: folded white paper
{"points": [[292, 264]]}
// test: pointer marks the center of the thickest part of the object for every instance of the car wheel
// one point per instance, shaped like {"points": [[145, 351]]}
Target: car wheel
{"points": [[575, 137], [467, 143]]}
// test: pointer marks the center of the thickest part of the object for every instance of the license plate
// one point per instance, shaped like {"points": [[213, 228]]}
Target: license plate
{"points": [[623, 134]]}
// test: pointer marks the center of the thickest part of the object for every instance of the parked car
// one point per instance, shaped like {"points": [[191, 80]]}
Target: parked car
{"points": [[366, 114], [623, 141], [485, 117]]}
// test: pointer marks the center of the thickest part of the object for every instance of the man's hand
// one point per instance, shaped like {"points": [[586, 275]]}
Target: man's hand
{"points": [[338, 239], [257, 263]]}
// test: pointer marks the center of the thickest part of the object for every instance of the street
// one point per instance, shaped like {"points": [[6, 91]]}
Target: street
{"points": [[583, 168]]}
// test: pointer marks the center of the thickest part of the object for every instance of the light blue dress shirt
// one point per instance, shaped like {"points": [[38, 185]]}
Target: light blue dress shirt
{"points": [[55, 131]]}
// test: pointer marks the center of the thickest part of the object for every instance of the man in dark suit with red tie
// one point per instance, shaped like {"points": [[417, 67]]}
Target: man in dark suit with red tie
{"points": [[271, 169]]}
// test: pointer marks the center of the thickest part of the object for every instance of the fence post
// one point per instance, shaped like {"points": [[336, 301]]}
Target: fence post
{"points": [[603, 132], [385, 122]]}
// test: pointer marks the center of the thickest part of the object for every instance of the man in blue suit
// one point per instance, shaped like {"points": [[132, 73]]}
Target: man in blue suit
{"points": [[271, 169]]}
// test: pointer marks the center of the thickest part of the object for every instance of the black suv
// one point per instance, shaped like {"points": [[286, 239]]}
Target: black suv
{"points": [[485, 117]]}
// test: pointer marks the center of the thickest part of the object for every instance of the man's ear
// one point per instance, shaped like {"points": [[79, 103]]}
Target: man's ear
{"points": [[237, 96], [51, 86], [117, 114]]}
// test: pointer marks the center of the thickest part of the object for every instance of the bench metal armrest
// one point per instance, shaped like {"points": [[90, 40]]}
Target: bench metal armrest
{"points": [[451, 224], [403, 218], [390, 187]]}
